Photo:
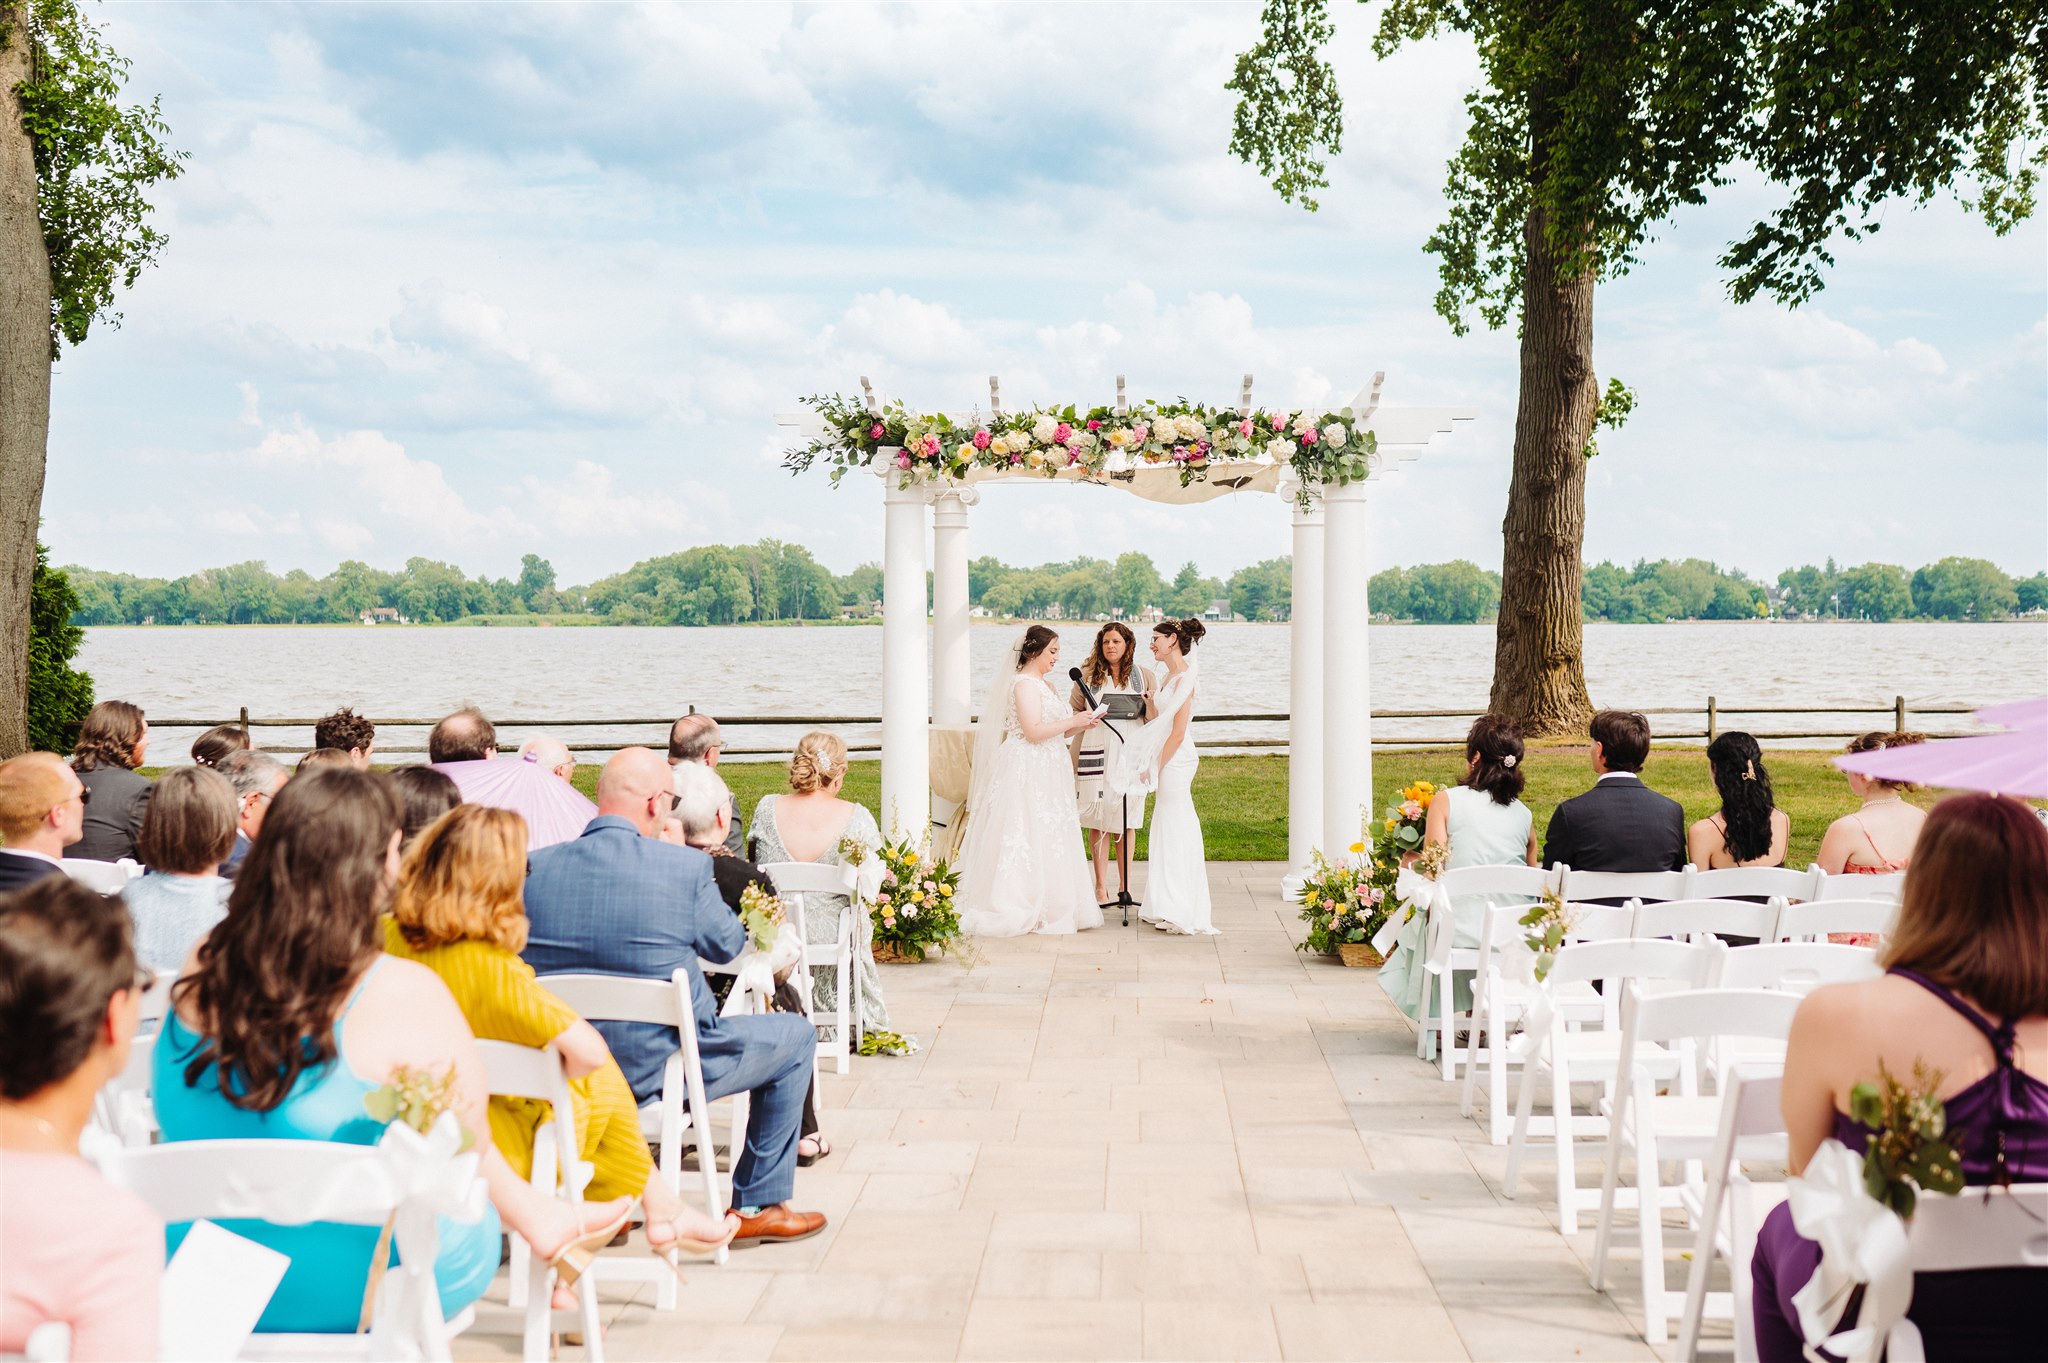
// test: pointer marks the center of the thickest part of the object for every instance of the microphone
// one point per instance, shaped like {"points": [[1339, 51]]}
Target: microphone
{"points": [[1074, 675]]}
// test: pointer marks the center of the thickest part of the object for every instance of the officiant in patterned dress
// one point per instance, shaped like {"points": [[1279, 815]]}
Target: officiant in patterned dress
{"points": [[1109, 820]]}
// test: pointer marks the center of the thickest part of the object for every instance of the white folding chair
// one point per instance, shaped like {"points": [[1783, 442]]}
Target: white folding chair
{"points": [[793, 879], [1690, 918], [1887, 885], [1798, 967], [107, 877], [1764, 882], [277, 1181], [1814, 921], [1498, 1002], [663, 1003], [1673, 1128], [1975, 1230], [559, 1171], [1590, 1055], [1732, 1209], [1581, 887], [1443, 960]]}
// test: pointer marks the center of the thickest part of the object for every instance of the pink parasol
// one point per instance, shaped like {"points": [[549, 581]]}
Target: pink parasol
{"points": [[2011, 763], [554, 810]]}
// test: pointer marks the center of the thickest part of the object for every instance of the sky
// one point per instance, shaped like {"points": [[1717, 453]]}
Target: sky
{"points": [[476, 281]]}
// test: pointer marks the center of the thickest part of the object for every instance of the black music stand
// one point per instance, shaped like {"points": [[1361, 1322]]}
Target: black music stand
{"points": [[1123, 705]]}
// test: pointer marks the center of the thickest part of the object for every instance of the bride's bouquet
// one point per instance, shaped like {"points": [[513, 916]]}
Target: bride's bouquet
{"points": [[913, 912]]}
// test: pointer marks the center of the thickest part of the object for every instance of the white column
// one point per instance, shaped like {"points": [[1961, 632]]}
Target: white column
{"points": [[1305, 685], [906, 751], [950, 686], [1347, 686]]}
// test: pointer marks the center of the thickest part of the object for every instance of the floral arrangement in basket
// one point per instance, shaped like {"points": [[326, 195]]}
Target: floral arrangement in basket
{"points": [[1344, 901], [913, 911], [1099, 442]]}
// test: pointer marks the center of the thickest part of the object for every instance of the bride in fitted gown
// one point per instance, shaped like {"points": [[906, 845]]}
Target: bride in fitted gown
{"points": [[1022, 866], [1162, 757]]}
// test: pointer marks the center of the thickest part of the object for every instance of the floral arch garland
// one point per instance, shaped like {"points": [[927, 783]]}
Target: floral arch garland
{"points": [[1096, 443]]}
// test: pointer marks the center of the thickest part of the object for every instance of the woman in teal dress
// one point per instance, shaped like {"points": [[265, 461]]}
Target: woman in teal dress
{"points": [[1481, 822], [288, 1015]]}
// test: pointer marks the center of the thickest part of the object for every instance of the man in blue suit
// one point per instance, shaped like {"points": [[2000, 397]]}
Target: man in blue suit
{"points": [[620, 900]]}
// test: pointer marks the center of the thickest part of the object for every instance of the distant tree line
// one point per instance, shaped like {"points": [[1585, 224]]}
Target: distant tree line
{"points": [[720, 584]]}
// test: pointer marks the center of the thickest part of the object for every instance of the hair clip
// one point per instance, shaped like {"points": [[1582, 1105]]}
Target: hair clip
{"points": [[1508, 761], [1749, 769]]}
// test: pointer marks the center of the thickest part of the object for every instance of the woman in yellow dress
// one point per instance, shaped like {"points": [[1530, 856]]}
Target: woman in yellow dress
{"points": [[459, 912]]}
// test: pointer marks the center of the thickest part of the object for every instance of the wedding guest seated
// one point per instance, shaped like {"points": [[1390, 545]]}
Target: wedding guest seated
{"points": [[1481, 821], [42, 809], [324, 757], [465, 736], [621, 901], [1620, 824], [704, 809], [1878, 838], [1966, 995], [80, 1252], [1749, 829], [347, 732], [425, 795], [813, 824], [213, 746], [187, 834], [695, 738], [257, 777], [111, 744], [551, 753], [458, 913], [288, 1015]]}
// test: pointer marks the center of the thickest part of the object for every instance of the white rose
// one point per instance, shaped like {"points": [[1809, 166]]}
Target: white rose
{"points": [[1042, 429], [1083, 440], [1281, 450], [1334, 434], [1302, 424]]}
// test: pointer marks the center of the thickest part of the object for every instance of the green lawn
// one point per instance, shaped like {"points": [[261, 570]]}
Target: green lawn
{"points": [[1243, 800]]}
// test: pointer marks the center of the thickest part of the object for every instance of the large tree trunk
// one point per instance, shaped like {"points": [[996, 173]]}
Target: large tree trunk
{"points": [[1539, 674], [24, 378]]}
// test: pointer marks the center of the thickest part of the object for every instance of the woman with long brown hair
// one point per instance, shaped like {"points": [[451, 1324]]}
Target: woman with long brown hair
{"points": [[1109, 818], [459, 912], [1965, 995], [111, 744], [289, 1015]]}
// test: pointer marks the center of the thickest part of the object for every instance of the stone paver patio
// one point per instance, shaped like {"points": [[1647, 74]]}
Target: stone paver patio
{"points": [[1125, 1144]]}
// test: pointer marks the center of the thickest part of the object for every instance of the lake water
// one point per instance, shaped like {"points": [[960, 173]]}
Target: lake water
{"points": [[196, 672]]}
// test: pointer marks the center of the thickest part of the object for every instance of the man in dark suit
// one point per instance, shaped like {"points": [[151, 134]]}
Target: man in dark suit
{"points": [[695, 738], [624, 900], [1620, 824], [42, 812]]}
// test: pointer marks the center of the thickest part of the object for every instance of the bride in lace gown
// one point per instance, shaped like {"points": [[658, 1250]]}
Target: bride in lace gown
{"points": [[1022, 867], [1161, 757]]}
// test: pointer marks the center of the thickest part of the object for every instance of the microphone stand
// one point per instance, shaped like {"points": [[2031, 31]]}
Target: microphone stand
{"points": [[1123, 840]]}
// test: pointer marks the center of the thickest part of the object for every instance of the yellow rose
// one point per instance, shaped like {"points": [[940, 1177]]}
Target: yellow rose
{"points": [[946, 890]]}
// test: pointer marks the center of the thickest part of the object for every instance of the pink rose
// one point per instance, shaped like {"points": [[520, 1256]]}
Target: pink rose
{"points": [[877, 431], [1309, 436], [1244, 428], [1180, 454], [903, 459], [1279, 421], [1062, 433], [1016, 458], [1141, 432], [981, 439], [1094, 425]]}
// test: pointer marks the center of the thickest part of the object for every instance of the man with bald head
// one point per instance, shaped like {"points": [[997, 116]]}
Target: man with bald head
{"points": [[42, 812], [695, 738], [551, 753], [622, 900]]}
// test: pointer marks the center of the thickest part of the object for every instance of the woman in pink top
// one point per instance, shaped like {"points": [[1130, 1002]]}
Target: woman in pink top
{"points": [[1876, 840], [79, 1251]]}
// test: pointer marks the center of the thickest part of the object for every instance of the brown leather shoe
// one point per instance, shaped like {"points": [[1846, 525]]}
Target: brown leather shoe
{"points": [[777, 1225]]}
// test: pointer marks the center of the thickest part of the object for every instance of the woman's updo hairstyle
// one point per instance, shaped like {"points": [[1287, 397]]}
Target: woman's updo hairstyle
{"points": [[1497, 743], [1187, 633], [1879, 740], [1036, 640], [216, 743], [820, 759]]}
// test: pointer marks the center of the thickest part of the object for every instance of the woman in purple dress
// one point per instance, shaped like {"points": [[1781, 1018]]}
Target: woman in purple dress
{"points": [[1967, 993]]}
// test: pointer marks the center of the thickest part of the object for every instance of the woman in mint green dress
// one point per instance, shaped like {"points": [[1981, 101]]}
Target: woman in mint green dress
{"points": [[1482, 822], [286, 1017]]}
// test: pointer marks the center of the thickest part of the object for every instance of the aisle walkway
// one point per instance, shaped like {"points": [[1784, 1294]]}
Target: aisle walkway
{"points": [[1129, 1145]]}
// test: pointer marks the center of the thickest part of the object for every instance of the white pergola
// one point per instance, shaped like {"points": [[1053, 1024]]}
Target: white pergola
{"points": [[1330, 690]]}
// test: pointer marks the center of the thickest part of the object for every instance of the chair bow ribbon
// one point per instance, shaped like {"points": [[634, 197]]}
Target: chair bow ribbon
{"points": [[1862, 1242], [754, 971]]}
